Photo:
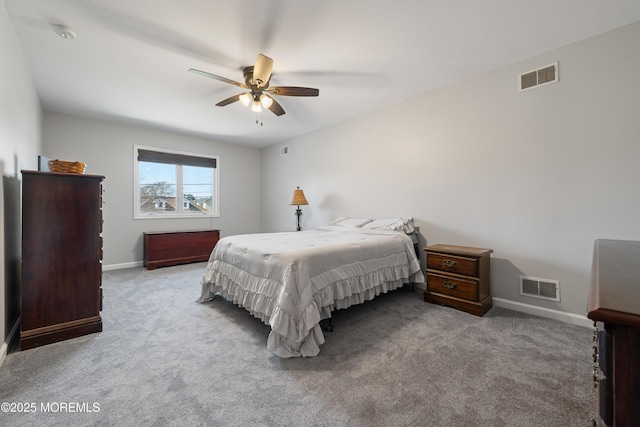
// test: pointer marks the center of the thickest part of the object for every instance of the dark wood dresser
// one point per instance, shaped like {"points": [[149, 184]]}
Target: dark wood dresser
{"points": [[61, 295], [459, 276], [178, 247], [614, 304]]}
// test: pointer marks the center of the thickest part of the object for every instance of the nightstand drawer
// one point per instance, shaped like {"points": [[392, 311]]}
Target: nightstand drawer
{"points": [[454, 286], [452, 264]]}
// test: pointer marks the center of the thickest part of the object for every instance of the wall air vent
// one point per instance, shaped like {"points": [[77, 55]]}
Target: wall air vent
{"points": [[540, 77], [284, 150], [540, 288]]}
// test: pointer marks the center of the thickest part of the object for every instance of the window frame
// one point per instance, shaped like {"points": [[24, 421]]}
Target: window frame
{"points": [[137, 214]]}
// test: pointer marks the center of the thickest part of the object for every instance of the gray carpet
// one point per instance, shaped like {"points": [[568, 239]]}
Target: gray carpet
{"points": [[163, 360]]}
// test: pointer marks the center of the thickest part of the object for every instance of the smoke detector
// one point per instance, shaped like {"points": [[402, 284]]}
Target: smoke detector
{"points": [[64, 32]]}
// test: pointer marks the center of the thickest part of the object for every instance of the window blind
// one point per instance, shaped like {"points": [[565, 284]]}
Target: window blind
{"points": [[175, 159]]}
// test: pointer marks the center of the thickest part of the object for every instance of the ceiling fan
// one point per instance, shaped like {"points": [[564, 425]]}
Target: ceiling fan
{"points": [[256, 81]]}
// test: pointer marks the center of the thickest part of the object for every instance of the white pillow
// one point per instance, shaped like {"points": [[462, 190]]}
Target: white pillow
{"points": [[336, 221], [349, 222], [404, 225]]}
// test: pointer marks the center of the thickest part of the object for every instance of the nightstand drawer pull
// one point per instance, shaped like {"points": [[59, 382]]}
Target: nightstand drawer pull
{"points": [[449, 285], [449, 263]]}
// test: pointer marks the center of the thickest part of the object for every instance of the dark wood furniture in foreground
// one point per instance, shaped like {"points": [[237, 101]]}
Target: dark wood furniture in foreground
{"points": [[178, 247], [459, 276], [61, 295], [614, 303]]}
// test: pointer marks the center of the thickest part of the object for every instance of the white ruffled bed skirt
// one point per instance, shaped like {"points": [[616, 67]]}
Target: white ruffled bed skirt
{"points": [[299, 334]]}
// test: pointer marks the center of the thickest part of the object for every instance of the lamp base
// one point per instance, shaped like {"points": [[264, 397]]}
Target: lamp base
{"points": [[298, 214]]}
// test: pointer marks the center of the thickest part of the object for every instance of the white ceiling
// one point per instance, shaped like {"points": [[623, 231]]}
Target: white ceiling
{"points": [[130, 59]]}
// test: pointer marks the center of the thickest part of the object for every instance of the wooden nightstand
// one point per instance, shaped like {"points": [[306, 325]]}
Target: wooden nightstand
{"points": [[458, 276]]}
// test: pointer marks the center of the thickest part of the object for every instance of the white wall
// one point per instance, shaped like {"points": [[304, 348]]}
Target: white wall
{"points": [[19, 134], [107, 149], [536, 176]]}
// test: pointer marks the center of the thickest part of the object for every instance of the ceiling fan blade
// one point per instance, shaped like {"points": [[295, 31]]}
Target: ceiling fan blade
{"points": [[229, 100], [276, 108], [262, 70], [293, 91], [215, 77]]}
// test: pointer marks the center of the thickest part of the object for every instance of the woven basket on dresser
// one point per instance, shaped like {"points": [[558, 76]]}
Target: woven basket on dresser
{"points": [[61, 166]]}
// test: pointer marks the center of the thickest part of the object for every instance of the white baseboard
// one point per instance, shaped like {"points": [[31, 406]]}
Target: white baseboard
{"points": [[562, 316], [3, 352], [4, 349], [121, 266]]}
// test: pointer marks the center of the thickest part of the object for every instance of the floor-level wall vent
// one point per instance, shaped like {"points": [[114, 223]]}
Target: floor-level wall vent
{"points": [[540, 288], [535, 78]]}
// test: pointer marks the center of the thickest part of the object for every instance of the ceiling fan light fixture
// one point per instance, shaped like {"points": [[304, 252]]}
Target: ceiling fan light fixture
{"points": [[256, 81], [266, 101], [245, 99]]}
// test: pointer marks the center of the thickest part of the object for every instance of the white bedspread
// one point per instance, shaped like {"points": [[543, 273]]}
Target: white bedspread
{"points": [[293, 280]]}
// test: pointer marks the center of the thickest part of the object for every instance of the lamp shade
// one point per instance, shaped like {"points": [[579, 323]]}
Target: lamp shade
{"points": [[245, 99], [298, 198], [265, 101]]}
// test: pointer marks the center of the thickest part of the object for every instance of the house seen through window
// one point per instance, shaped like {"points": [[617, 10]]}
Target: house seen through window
{"points": [[174, 184]]}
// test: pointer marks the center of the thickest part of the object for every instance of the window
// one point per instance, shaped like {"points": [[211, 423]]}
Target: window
{"points": [[174, 184]]}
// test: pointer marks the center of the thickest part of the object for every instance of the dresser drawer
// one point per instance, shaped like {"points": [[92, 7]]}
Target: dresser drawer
{"points": [[454, 286], [453, 264]]}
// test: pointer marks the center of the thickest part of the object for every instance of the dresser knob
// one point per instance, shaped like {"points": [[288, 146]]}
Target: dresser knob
{"points": [[450, 285], [449, 263]]}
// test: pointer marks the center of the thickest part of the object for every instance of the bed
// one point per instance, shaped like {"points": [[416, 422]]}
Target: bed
{"points": [[293, 280]]}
